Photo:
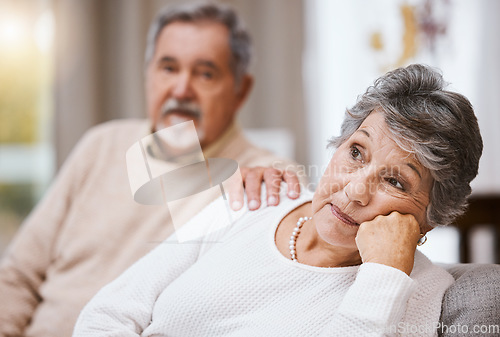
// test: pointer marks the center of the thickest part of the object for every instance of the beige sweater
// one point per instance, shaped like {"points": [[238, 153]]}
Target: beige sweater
{"points": [[87, 230]]}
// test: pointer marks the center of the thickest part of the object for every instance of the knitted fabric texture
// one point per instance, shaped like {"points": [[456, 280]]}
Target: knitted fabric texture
{"points": [[243, 286]]}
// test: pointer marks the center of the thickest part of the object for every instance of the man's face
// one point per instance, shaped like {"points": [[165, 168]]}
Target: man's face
{"points": [[189, 78]]}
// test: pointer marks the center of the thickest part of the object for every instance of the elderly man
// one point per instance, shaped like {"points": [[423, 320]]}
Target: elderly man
{"points": [[88, 229]]}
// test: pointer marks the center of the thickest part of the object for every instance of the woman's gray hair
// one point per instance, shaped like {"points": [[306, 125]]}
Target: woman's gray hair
{"points": [[438, 126], [239, 39]]}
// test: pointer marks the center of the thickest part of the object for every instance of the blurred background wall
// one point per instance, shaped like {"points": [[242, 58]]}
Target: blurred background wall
{"points": [[66, 65]]}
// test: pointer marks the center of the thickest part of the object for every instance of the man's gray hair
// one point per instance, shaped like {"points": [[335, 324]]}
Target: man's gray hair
{"points": [[239, 39], [438, 126]]}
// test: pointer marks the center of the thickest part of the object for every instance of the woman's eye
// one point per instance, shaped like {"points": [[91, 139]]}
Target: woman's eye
{"points": [[394, 182], [355, 153]]}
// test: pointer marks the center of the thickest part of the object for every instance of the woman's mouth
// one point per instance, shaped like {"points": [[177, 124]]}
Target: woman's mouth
{"points": [[342, 216]]}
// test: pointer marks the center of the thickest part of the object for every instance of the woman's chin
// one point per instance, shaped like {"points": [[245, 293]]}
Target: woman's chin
{"points": [[333, 230]]}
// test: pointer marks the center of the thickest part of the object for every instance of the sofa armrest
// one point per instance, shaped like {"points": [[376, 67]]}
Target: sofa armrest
{"points": [[471, 306]]}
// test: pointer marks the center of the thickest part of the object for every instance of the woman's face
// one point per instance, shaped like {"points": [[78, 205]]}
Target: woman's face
{"points": [[368, 175]]}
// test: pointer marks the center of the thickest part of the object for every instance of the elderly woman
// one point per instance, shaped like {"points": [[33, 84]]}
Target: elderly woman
{"points": [[341, 262]]}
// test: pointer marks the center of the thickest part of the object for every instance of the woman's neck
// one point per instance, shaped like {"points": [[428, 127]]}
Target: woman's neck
{"points": [[310, 248]]}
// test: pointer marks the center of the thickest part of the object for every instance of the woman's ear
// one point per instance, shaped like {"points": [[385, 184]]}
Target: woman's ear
{"points": [[425, 227], [424, 223]]}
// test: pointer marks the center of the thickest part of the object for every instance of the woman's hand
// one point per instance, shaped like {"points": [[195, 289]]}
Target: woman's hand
{"points": [[390, 240]]}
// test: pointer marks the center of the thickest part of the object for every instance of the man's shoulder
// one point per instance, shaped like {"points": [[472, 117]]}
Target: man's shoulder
{"points": [[119, 131], [129, 126], [249, 154], [111, 137]]}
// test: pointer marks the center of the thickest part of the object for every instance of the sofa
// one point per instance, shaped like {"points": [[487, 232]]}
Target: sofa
{"points": [[471, 306]]}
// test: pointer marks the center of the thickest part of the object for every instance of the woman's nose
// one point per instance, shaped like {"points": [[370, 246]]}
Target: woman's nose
{"points": [[360, 187]]}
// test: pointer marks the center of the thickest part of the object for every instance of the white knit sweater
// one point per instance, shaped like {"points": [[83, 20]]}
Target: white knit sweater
{"points": [[237, 283]]}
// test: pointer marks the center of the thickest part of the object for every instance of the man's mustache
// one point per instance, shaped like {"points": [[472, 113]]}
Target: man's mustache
{"points": [[173, 105]]}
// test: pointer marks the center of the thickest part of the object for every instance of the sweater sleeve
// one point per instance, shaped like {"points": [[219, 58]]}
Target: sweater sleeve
{"points": [[24, 265], [124, 307], [374, 305], [384, 301]]}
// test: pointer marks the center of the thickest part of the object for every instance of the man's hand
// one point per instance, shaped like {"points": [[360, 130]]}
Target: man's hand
{"points": [[390, 240], [252, 180]]}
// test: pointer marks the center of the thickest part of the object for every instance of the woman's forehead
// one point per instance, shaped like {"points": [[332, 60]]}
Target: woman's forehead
{"points": [[376, 131], [375, 128]]}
